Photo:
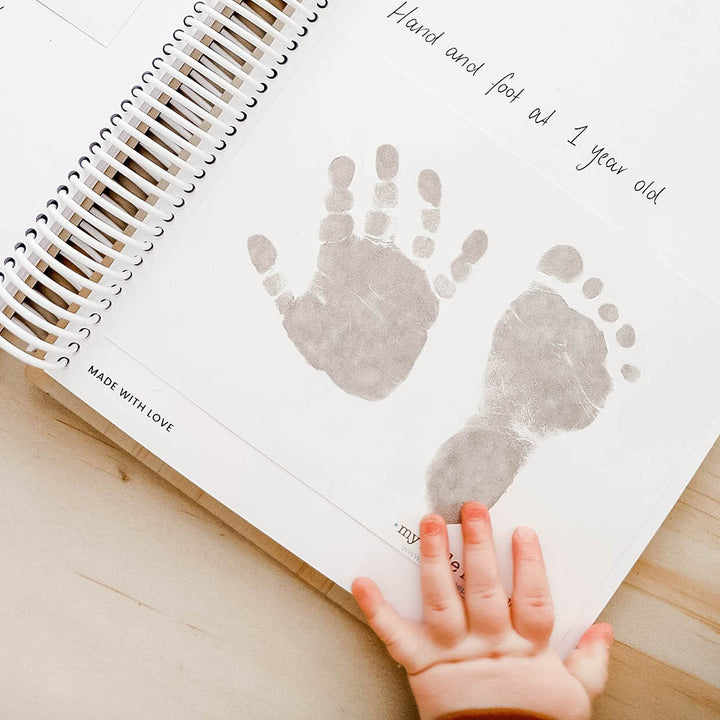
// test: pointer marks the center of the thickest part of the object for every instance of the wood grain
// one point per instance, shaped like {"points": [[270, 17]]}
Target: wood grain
{"points": [[129, 599], [122, 598]]}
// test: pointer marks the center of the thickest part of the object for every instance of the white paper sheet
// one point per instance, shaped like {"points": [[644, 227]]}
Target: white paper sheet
{"points": [[588, 491], [637, 75], [59, 89], [102, 21], [612, 482]]}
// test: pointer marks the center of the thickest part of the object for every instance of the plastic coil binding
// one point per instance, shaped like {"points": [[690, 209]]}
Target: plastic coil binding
{"points": [[71, 265]]}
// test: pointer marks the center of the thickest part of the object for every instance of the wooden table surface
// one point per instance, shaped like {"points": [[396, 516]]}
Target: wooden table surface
{"points": [[122, 598]]}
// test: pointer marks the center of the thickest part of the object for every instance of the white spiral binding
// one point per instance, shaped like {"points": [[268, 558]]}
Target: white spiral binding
{"points": [[91, 231]]}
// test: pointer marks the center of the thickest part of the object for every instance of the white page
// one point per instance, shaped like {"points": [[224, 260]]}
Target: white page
{"points": [[587, 492], [59, 89], [101, 21], [242, 478], [637, 74]]}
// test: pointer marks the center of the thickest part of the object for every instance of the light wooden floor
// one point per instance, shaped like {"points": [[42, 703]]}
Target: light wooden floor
{"points": [[121, 598]]}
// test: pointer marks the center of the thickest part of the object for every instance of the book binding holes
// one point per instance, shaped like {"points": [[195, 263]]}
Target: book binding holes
{"points": [[67, 271]]}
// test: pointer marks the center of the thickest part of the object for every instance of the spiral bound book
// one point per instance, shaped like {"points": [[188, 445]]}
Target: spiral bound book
{"points": [[342, 264]]}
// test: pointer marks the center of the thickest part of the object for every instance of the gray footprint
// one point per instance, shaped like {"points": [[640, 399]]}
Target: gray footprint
{"points": [[364, 318], [546, 374]]}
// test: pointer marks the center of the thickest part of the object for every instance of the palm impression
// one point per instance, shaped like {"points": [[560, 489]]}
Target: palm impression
{"points": [[365, 317]]}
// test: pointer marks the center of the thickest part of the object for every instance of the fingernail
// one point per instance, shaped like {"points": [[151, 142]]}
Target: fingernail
{"points": [[474, 511], [598, 633], [525, 534], [431, 525], [605, 633], [359, 590]]}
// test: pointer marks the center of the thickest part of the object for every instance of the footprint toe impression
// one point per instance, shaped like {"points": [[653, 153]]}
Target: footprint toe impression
{"points": [[546, 374], [365, 317], [563, 262]]}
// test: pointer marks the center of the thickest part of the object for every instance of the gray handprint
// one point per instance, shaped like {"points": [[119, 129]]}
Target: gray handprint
{"points": [[364, 318]]}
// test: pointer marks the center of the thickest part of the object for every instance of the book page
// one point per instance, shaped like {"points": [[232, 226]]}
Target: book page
{"points": [[101, 21], [403, 315], [59, 89], [614, 105]]}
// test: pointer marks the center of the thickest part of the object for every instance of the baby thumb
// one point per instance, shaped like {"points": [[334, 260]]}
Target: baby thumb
{"points": [[589, 661]]}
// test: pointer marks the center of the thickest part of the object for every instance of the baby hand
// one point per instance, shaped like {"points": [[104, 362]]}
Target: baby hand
{"points": [[480, 651]]}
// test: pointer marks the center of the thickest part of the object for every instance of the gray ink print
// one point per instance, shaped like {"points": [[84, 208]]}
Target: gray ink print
{"points": [[546, 374], [365, 317]]}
